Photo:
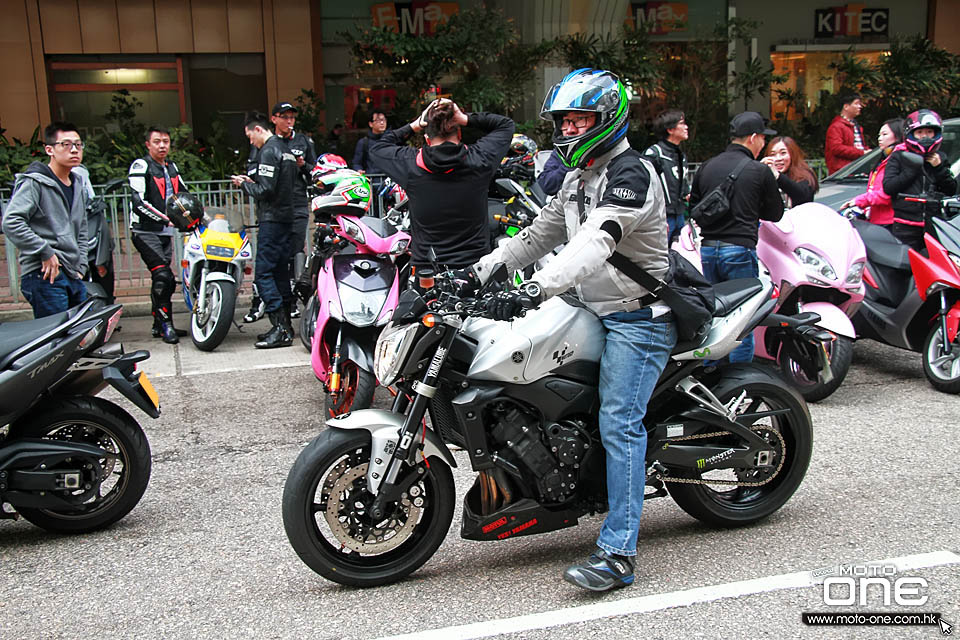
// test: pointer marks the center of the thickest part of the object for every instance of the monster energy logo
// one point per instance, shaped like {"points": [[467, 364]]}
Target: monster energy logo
{"points": [[723, 455]]}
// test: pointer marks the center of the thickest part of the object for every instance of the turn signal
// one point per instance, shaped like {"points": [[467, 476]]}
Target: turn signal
{"points": [[184, 264], [429, 321]]}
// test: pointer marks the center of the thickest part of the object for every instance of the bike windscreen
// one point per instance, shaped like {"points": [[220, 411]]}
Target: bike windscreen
{"points": [[223, 219]]}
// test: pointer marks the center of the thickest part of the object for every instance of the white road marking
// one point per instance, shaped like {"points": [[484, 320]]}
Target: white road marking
{"points": [[203, 372], [644, 604]]}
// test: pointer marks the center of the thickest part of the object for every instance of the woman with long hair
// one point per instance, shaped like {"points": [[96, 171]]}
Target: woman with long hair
{"points": [[446, 180], [877, 205], [795, 178]]}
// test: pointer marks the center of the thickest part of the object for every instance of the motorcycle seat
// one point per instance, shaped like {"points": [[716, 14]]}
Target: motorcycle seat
{"points": [[14, 335], [732, 293], [882, 246]]}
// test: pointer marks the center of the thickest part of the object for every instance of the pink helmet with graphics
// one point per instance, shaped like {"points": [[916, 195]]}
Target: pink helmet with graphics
{"points": [[923, 119], [327, 163]]}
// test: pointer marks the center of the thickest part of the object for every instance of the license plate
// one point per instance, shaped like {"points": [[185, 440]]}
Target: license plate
{"points": [[147, 386]]}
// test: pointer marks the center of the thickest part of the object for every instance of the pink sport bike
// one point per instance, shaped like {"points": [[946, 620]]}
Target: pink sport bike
{"points": [[363, 261]]}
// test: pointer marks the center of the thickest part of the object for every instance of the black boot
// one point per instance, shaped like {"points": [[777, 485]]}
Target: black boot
{"points": [[163, 327], [256, 309], [289, 307], [277, 336]]}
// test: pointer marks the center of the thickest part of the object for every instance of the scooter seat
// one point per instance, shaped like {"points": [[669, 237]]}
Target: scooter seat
{"points": [[14, 335], [882, 246], [732, 293]]}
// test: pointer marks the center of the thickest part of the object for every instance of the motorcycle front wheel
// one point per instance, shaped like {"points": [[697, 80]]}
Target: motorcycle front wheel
{"points": [[124, 468], [942, 369], [208, 330], [326, 517], [840, 355], [781, 417], [357, 386]]}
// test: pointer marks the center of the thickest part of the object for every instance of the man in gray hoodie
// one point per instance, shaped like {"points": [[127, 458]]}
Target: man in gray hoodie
{"points": [[46, 220]]}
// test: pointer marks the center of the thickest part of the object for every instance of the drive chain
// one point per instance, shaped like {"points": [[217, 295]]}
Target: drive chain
{"points": [[731, 483]]}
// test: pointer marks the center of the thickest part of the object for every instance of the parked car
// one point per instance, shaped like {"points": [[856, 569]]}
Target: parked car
{"points": [[851, 181]]}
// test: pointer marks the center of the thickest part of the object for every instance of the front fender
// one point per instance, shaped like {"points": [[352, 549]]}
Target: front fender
{"points": [[832, 318], [953, 322], [384, 427], [220, 275], [351, 350]]}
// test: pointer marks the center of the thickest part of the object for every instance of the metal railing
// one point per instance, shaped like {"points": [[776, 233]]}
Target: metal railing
{"points": [[129, 270]]}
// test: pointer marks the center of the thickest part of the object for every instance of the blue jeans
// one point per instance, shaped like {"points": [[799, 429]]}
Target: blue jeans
{"points": [[636, 352], [272, 275], [674, 226], [46, 298], [729, 262]]}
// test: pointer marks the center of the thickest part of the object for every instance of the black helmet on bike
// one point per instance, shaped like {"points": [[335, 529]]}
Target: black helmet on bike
{"points": [[184, 211], [923, 119], [588, 91]]}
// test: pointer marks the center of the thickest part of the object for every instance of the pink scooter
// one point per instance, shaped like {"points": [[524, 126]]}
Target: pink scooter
{"points": [[816, 258], [358, 286]]}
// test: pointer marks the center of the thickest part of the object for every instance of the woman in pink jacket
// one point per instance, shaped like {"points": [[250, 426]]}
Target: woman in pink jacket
{"points": [[876, 203]]}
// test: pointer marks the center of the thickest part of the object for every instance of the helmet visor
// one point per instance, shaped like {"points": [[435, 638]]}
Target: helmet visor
{"points": [[583, 93]]}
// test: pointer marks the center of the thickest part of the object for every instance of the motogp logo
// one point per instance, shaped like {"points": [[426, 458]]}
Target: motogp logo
{"points": [[562, 355]]}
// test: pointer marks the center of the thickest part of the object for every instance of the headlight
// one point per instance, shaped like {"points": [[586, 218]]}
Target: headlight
{"points": [[220, 252], [855, 275], [352, 229], [815, 264], [399, 246], [392, 347], [955, 259], [361, 308]]}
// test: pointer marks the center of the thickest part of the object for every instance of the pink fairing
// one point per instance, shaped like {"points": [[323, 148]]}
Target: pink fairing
{"points": [[327, 295], [686, 246], [373, 243]]}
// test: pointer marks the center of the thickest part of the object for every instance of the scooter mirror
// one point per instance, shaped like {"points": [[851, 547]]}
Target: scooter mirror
{"points": [[506, 187], [496, 280]]}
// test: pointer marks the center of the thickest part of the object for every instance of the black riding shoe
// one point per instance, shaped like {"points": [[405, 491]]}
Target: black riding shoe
{"points": [[255, 312], [168, 333], [601, 572], [277, 336], [287, 309]]}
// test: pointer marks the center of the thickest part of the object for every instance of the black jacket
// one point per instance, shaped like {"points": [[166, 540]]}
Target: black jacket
{"points": [[363, 160], [755, 196], [274, 182], [798, 191], [301, 146], [902, 179], [671, 166], [447, 186], [149, 185]]}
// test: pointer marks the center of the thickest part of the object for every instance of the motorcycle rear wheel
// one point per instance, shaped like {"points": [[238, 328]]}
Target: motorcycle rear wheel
{"points": [[221, 301], [357, 386], [325, 504], [942, 370], [727, 506], [840, 354], [100, 423]]}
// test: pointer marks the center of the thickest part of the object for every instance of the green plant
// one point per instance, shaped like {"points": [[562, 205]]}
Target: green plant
{"points": [[310, 113], [16, 154]]}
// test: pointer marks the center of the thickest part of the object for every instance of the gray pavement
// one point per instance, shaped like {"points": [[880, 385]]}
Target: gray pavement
{"points": [[204, 555]]}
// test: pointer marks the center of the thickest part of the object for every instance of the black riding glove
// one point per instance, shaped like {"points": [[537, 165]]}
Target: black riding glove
{"points": [[466, 282], [506, 305]]}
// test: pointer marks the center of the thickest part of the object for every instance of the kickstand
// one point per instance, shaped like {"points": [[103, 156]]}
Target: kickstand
{"points": [[238, 326]]}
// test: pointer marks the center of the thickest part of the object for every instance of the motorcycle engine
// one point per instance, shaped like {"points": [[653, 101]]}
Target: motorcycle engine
{"points": [[551, 453]]}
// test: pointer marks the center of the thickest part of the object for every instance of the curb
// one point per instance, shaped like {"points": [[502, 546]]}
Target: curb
{"points": [[131, 309]]}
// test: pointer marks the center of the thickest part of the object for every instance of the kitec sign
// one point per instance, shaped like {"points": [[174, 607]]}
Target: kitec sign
{"points": [[850, 20]]}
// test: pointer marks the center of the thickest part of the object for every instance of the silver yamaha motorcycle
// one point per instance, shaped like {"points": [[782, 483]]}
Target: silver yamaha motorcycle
{"points": [[371, 498]]}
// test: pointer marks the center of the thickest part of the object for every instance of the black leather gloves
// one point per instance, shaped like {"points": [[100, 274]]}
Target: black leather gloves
{"points": [[507, 305]]}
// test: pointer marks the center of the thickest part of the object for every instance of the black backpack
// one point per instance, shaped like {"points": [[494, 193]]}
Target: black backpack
{"points": [[716, 204]]}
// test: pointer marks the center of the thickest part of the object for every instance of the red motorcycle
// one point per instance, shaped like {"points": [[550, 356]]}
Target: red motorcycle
{"points": [[913, 300]]}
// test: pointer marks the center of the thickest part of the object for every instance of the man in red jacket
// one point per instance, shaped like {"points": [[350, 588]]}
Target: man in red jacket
{"points": [[845, 139]]}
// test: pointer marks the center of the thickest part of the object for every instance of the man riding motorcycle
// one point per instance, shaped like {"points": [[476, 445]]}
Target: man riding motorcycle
{"points": [[610, 200]]}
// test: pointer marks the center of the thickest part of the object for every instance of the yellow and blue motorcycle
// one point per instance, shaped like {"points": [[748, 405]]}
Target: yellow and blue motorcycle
{"points": [[216, 256]]}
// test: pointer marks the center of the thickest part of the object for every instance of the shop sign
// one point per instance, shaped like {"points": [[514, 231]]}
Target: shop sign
{"points": [[416, 18], [658, 18], [851, 20]]}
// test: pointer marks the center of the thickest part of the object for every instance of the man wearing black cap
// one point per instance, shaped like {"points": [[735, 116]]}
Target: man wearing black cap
{"points": [[284, 117], [729, 248]]}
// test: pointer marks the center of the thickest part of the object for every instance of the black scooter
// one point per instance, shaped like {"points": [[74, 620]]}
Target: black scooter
{"points": [[71, 462]]}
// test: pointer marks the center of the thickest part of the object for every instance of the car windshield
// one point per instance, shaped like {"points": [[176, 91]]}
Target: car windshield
{"points": [[860, 168], [222, 219]]}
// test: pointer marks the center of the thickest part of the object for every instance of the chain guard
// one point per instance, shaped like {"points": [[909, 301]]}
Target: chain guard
{"points": [[740, 472]]}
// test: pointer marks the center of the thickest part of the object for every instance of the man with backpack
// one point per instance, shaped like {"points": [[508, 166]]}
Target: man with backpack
{"points": [[668, 159], [737, 192]]}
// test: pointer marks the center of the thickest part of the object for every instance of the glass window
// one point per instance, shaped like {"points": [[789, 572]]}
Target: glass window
{"points": [[809, 78]]}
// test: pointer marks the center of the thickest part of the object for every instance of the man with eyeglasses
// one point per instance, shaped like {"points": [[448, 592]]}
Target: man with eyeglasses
{"points": [[153, 179], [364, 161], [46, 220]]}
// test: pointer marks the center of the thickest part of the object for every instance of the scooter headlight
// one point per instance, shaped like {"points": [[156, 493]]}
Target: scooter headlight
{"points": [[399, 246], [352, 229], [361, 308], [855, 275], [393, 345], [815, 264]]}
